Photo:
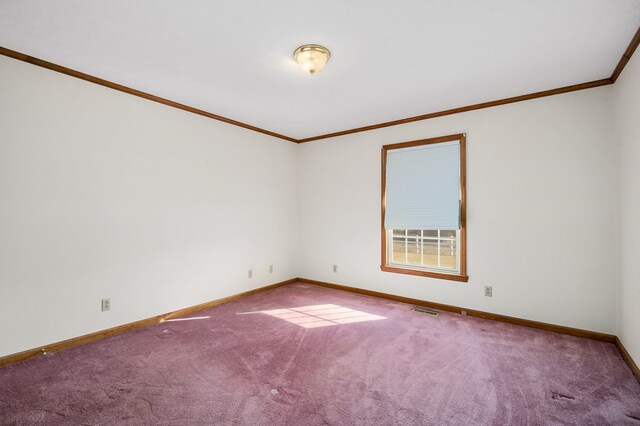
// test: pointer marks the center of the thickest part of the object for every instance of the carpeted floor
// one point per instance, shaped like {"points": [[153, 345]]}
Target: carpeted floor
{"points": [[306, 355]]}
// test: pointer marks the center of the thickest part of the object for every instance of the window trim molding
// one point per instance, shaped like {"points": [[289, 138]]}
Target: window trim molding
{"points": [[384, 264]]}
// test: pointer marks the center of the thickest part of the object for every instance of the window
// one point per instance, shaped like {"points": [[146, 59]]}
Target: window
{"points": [[423, 208]]}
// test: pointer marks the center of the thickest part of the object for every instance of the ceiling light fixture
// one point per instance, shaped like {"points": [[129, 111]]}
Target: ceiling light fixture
{"points": [[312, 57]]}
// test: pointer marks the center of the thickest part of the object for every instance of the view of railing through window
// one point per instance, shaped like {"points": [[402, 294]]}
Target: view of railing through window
{"points": [[433, 249]]}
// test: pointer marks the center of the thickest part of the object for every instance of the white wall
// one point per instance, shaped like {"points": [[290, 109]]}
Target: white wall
{"points": [[541, 210], [627, 131], [103, 194]]}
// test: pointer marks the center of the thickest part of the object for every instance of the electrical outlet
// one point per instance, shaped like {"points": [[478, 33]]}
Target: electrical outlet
{"points": [[250, 273], [488, 291], [271, 269], [463, 313], [106, 304], [335, 269]]}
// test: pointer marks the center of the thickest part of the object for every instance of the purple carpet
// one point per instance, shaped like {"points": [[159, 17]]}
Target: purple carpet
{"points": [[306, 355]]}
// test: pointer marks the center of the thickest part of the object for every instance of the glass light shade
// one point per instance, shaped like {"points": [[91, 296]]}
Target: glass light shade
{"points": [[312, 57]]}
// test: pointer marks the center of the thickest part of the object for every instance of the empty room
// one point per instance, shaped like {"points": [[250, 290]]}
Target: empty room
{"points": [[319, 212]]}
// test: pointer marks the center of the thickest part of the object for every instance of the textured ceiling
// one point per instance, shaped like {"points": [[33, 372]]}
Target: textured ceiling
{"points": [[390, 60]]}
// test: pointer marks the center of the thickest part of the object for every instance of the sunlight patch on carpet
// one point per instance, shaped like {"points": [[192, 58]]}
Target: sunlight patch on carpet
{"points": [[314, 316], [186, 319]]}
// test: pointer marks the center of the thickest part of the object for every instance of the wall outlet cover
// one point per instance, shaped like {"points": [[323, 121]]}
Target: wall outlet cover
{"points": [[105, 305]]}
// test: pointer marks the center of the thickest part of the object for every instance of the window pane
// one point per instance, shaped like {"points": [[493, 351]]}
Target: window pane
{"points": [[448, 254], [423, 248], [413, 249], [398, 253], [430, 253]]}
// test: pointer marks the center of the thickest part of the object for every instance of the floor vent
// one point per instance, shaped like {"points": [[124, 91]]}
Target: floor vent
{"points": [[426, 311]]}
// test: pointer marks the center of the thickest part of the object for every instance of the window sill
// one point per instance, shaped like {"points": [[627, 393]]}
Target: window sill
{"points": [[438, 275]]}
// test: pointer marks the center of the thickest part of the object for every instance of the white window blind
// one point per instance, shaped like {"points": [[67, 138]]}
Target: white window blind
{"points": [[423, 187]]}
